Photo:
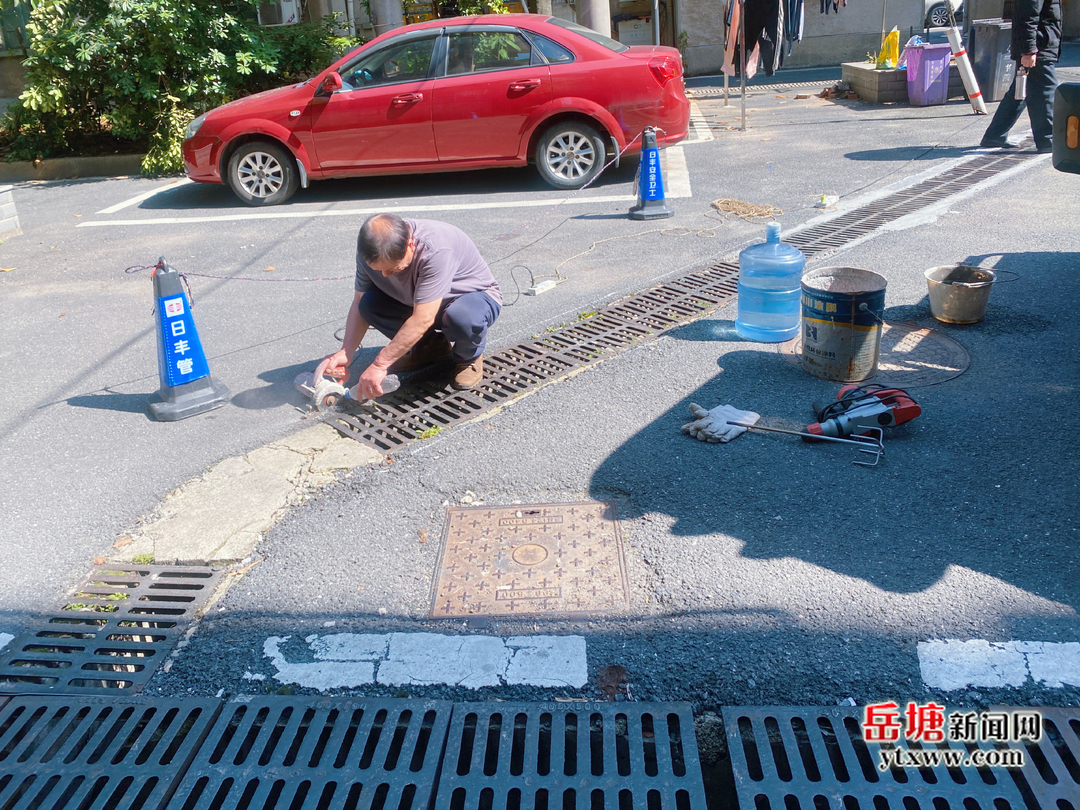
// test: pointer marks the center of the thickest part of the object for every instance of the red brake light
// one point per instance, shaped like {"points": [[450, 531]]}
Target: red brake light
{"points": [[664, 69]]}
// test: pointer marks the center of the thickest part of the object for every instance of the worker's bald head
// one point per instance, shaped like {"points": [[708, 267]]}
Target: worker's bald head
{"points": [[383, 238]]}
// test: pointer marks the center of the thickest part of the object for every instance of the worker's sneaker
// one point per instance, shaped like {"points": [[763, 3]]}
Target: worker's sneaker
{"points": [[431, 347], [996, 143], [469, 375]]}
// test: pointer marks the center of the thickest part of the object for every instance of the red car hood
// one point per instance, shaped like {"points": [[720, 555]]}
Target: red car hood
{"points": [[257, 99]]}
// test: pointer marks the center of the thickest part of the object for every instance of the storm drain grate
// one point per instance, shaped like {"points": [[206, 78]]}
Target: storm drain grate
{"points": [[573, 756], [816, 759], [97, 753], [1051, 772], [111, 635], [422, 408], [296, 754]]}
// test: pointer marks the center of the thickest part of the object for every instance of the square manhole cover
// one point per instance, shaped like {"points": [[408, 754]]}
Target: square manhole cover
{"points": [[527, 560]]}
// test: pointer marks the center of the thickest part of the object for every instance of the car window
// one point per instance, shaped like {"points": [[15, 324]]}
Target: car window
{"points": [[476, 51], [402, 62], [552, 50], [599, 39]]}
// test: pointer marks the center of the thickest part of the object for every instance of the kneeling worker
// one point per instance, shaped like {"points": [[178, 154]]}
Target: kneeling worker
{"points": [[424, 285]]}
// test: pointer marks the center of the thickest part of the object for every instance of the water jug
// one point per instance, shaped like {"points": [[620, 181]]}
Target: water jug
{"points": [[770, 285]]}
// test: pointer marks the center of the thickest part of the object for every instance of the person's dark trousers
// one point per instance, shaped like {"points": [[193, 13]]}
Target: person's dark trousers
{"points": [[1041, 84], [464, 320]]}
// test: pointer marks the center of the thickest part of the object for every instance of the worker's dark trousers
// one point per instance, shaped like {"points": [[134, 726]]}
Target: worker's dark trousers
{"points": [[1041, 84], [464, 320]]}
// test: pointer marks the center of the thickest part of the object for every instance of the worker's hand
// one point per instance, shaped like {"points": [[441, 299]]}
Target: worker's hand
{"points": [[370, 383], [335, 366], [712, 426], [1028, 59]]}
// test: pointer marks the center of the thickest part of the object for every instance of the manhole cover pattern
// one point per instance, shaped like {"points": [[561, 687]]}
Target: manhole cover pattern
{"points": [[815, 758], [420, 407], [296, 754], [97, 753], [1051, 772], [553, 558], [111, 635], [909, 356], [577, 756]]}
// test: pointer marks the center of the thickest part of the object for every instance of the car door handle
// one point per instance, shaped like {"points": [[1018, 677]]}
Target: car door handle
{"points": [[407, 98], [524, 84]]}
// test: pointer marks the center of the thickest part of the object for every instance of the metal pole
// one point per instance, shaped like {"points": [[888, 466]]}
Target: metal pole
{"points": [[656, 21], [742, 49]]}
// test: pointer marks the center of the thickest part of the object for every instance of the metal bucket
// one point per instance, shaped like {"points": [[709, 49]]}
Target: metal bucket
{"points": [[959, 292], [842, 313]]}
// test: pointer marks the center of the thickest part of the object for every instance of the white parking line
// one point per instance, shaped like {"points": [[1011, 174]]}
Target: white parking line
{"points": [[353, 212], [698, 125], [951, 664], [677, 176], [112, 209], [402, 659]]}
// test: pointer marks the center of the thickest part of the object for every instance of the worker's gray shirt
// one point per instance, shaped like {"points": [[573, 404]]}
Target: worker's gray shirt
{"points": [[445, 265]]}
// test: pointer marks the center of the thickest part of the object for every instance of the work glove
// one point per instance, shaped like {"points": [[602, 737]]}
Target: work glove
{"points": [[712, 426]]}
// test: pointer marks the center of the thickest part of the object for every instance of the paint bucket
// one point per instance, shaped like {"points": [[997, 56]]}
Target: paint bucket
{"points": [[959, 292], [842, 311]]}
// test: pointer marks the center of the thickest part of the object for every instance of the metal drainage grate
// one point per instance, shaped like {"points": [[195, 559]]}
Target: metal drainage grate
{"points": [[97, 753], [574, 756], [1051, 772], [295, 754], [401, 417], [111, 635], [816, 759]]}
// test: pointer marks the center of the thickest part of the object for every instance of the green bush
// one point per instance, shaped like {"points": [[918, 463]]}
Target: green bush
{"points": [[137, 71]]}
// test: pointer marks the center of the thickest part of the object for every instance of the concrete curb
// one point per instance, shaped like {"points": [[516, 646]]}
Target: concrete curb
{"points": [[222, 515], [9, 217], [72, 168]]}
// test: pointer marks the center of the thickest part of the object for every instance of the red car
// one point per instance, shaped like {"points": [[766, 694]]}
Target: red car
{"points": [[448, 95]]}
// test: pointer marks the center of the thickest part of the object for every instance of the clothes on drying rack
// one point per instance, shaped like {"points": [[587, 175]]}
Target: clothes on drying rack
{"points": [[767, 23]]}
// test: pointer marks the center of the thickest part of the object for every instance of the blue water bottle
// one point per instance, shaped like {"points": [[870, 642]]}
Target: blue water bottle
{"points": [[770, 288]]}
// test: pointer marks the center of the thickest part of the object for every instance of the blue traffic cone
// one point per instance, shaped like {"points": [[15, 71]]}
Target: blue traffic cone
{"points": [[186, 385], [650, 204]]}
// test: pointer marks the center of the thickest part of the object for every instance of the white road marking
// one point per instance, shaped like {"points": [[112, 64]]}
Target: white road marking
{"points": [[951, 664], [354, 212], [677, 179], [112, 209], [4, 639], [699, 126], [346, 660]]}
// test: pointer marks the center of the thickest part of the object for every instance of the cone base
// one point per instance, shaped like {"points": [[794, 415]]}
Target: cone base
{"points": [[656, 209], [189, 399]]}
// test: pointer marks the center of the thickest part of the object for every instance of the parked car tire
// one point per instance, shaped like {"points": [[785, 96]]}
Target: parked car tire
{"points": [[262, 173], [938, 16], [570, 154]]}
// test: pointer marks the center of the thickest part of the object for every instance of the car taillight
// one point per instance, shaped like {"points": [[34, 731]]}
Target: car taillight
{"points": [[664, 69]]}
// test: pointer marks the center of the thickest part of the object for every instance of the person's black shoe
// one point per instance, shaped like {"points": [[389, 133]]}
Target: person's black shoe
{"points": [[1045, 150], [990, 143]]}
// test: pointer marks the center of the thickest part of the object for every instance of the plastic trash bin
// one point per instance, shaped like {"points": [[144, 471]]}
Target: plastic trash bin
{"points": [[991, 61], [928, 74]]}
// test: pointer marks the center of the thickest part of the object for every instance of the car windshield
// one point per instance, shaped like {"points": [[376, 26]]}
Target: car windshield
{"points": [[589, 34]]}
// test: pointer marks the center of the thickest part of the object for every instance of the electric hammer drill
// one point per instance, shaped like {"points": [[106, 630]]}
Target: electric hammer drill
{"points": [[860, 408]]}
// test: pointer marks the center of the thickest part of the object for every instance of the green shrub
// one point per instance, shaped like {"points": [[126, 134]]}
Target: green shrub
{"points": [[137, 71]]}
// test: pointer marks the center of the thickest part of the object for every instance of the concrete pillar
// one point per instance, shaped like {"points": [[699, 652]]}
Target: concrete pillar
{"points": [[595, 14], [386, 15], [540, 7]]}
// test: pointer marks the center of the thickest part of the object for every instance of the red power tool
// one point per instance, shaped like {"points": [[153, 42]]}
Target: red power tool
{"points": [[860, 408]]}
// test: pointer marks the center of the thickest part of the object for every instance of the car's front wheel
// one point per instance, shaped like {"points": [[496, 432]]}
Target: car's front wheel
{"points": [[569, 155], [262, 173]]}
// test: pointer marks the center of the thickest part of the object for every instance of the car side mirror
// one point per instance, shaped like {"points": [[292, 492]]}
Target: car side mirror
{"points": [[331, 83]]}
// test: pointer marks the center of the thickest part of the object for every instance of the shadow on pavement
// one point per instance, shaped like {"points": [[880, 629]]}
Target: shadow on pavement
{"points": [[928, 152], [960, 486]]}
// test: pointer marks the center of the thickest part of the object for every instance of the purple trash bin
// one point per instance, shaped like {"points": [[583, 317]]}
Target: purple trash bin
{"points": [[928, 74]]}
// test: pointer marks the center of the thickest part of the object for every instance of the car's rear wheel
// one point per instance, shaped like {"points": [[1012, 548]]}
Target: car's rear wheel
{"points": [[570, 154], [262, 173], [938, 16]]}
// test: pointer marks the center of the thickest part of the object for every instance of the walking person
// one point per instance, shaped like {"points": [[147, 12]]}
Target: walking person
{"points": [[424, 285], [1036, 45]]}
